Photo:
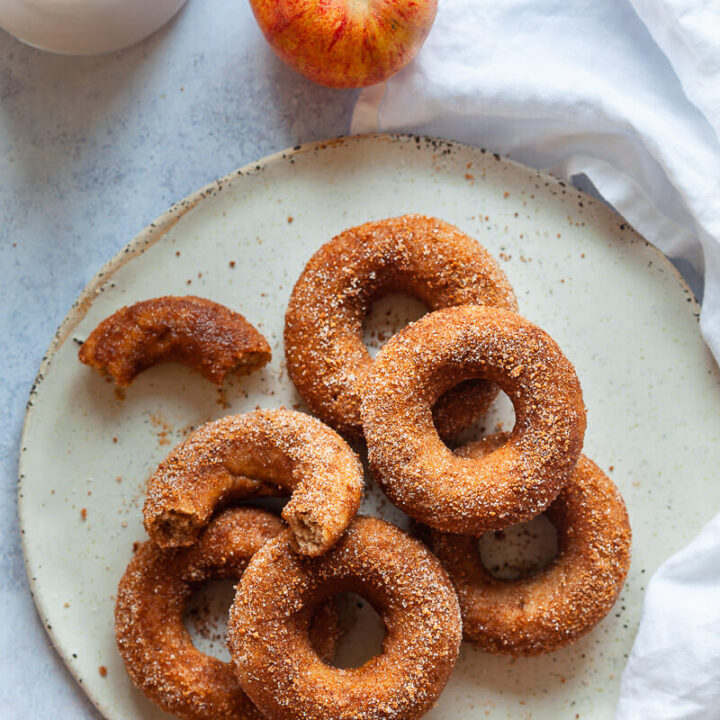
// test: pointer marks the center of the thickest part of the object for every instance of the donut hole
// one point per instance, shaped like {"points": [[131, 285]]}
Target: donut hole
{"points": [[388, 315], [500, 417], [206, 615], [362, 632], [519, 551]]}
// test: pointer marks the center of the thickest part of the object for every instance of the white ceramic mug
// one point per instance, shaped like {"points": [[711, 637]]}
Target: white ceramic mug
{"points": [[84, 27]]}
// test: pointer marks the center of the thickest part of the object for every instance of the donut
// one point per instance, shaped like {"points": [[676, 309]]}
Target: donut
{"points": [[407, 586], [265, 452], [157, 650], [202, 334], [421, 256], [416, 469], [554, 607]]}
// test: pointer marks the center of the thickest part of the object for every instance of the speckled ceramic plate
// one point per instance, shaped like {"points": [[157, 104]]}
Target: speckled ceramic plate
{"points": [[615, 305]]}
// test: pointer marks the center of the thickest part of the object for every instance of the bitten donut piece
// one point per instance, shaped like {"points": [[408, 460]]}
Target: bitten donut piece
{"points": [[157, 650], [202, 334], [422, 256], [407, 586], [416, 469], [265, 452], [556, 606]]}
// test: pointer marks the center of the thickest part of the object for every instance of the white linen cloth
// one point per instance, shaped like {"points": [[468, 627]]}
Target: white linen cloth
{"points": [[625, 94]]}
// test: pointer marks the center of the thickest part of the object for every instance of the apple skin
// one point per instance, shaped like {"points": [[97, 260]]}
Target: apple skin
{"points": [[345, 43]]}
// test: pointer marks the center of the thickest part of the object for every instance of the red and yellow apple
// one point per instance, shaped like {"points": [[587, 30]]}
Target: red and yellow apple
{"points": [[345, 43]]}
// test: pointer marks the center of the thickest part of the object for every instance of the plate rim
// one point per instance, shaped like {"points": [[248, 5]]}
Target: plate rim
{"points": [[158, 228]]}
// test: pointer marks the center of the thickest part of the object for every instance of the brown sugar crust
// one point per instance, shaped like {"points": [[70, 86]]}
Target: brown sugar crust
{"points": [[265, 452], [407, 586], [418, 255], [202, 334], [416, 469], [157, 649], [554, 607]]}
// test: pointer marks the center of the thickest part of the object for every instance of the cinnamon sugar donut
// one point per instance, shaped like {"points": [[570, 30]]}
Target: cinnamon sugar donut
{"points": [[413, 466], [202, 334], [553, 608], [157, 650], [267, 631], [265, 452], [422, 256]]}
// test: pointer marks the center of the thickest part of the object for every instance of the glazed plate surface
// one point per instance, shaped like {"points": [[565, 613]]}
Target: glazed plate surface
{"points": [[617, 308]]}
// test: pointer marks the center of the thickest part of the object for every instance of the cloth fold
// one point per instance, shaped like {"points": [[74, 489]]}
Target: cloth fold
{"points": [[625, 95]]}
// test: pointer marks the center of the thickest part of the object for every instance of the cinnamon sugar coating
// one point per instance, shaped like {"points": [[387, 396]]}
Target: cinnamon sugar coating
{"points": [[157, 650], [416, 469], [418, 255], [202, 334], [554, 607], [265, 452], [267, 632]]}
